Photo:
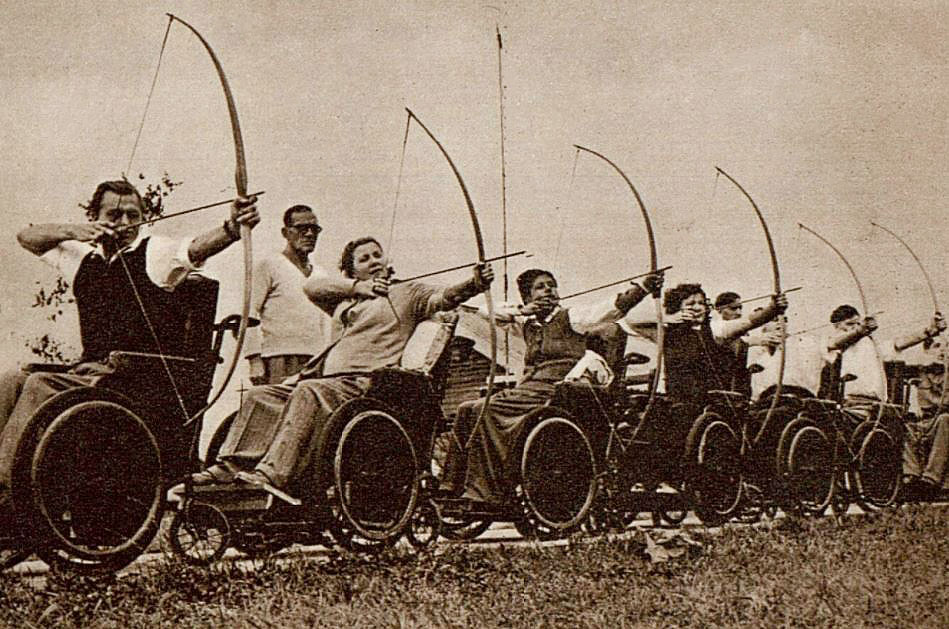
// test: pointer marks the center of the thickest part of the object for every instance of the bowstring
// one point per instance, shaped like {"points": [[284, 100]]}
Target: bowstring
{"points": [[148, 100], [128, 273], [154, 333], [398, 186], [573, 174]]}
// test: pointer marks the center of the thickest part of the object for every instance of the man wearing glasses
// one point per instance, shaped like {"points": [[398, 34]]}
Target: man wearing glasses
{"points": [[292, 330]]}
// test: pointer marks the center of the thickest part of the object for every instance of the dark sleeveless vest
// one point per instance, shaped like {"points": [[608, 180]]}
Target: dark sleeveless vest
{"points": [[110, 316], [695, 363], [554, 340]]}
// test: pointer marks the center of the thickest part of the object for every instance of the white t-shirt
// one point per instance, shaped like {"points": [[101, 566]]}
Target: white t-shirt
{"points": [[864, 360], [805, 359]]}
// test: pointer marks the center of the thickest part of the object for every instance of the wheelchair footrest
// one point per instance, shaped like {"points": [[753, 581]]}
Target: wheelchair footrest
{"points": [[464, 509], [231, 498]]}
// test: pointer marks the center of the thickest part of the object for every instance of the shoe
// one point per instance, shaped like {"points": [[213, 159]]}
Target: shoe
{"points": [[218, 473]]}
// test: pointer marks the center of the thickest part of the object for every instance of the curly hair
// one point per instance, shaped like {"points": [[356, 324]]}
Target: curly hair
{"points": [[120, 187], [347, 259], [673, 299]]}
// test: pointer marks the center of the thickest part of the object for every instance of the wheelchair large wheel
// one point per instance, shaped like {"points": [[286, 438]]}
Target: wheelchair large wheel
{"points": [[558, 475], [810, 469], [875, 473], [97, 487], [376, 476], [714, 460]]}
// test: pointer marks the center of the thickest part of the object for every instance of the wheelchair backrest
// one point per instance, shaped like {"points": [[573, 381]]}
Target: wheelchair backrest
{"points": [[198, 296], [428, 342]]}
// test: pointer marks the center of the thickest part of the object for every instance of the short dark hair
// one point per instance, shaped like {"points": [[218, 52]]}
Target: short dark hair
{"points": [[525, 281], [726, 298], [288, 215], [673, 298], [347, 260], [120, 187], [842, 313]]}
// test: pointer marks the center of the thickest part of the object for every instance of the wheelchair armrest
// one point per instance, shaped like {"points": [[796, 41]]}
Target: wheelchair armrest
{"points": [[46, 368], [128, 361], [232, 323]]}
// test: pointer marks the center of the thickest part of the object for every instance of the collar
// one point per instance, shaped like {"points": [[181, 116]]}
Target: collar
{"points": [[132, 246]]}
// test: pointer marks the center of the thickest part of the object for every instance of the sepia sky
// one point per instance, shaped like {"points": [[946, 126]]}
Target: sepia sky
{"points": [[829, 113]]}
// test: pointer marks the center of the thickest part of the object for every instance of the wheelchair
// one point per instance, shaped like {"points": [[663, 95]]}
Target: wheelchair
{"points": [[91, 467], [551, 475], [586, 459], [369, 487], [743, 463], [843, 451]]}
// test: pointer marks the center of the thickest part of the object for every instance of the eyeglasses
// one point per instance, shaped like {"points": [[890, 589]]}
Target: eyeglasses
{"points": [[308, 228]]}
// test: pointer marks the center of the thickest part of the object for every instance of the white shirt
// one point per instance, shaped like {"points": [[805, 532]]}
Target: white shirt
{"points": [[289, 322], [805, 359], [863, 360], [166, 260]]}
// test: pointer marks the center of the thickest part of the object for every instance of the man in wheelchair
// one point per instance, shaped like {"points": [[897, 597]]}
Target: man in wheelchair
{"points": [[862, 358], [556, 339], [281, 431], [926, 447], [124, 284]]}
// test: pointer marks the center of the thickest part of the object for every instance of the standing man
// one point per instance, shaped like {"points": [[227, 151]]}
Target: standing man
{"points": [[292, 330]]}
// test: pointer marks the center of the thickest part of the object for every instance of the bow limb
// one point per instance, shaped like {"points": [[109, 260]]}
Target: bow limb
{"points": [[932, 293], [476, 226], [856, 280], [653, 268], [776, 280], [240, 180]]}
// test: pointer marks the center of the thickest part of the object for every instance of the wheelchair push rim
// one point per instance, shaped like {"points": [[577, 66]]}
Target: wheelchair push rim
{"points": [[716, 480], [558, 474], [97, 485], [376, 476], [810, 469], [877, 469]]}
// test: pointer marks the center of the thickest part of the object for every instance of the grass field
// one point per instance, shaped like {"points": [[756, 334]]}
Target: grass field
{"points": [[889, 569]]}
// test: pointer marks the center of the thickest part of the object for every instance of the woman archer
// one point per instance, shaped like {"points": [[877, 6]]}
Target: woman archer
{"points": [[556, 338], [281, 429]]}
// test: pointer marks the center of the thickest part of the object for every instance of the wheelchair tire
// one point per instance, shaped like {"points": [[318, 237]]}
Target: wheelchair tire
{"points": [[714, 476], [96, 480], [877, 469], [376, 475], [810, 469], [558, 475]]}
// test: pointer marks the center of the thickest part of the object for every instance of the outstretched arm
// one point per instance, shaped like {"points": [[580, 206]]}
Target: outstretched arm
{"points": [[480, 281], [728, 330], [243, 212], [935, 328]]}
